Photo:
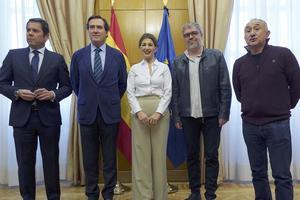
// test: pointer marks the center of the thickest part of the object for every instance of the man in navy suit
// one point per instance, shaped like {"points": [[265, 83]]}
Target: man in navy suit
{"points": [[98, 78], [36, 80]]}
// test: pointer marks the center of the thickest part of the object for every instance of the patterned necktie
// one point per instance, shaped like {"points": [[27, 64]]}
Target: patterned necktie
{"points": [[97, 65], [35, 64]]}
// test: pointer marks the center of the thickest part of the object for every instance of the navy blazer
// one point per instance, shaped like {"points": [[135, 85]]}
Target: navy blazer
{"points": [[16, 74], [106, 94]]}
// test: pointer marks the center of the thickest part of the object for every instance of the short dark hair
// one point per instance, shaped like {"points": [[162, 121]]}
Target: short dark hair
{"points": [[148, 36], [44, 24], [106, 26]]}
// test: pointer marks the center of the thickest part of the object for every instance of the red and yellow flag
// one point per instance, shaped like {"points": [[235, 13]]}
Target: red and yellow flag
{"points": [[115, 40]]}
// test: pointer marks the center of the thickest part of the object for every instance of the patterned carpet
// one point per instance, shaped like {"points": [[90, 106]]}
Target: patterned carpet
{"points": [[226, 191]]}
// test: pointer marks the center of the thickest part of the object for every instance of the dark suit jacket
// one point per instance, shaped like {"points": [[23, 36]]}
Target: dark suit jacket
{"points": [[106, 94], [16, 74]]}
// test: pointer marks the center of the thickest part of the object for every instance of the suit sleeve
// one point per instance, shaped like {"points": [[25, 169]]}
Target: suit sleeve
{"points": [[74, 74], [7, 78], [64, 86], [122, 76]]}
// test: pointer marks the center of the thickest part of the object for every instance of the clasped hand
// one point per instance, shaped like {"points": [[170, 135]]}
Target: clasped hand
{"points": [[152, 120], [40, 94]]}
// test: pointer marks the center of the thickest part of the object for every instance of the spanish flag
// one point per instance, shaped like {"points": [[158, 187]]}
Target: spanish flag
{"points": [[124, 137]]}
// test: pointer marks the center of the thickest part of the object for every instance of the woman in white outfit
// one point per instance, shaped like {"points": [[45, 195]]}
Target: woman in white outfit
{"points": [[149, 88]]}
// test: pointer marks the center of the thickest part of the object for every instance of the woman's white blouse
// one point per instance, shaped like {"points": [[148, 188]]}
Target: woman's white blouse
{"points": [[141, 83]]}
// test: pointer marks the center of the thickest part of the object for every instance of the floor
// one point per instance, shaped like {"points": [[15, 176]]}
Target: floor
{"points": [[226, 191]]}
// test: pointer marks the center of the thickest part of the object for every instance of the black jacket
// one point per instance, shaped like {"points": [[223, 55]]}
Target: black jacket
{"points": [[214, 86]]}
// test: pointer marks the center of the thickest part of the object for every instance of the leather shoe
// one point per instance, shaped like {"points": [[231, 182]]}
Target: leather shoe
{"points": [[194, 196]]}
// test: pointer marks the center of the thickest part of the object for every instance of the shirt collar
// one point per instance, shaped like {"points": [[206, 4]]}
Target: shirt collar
{"points": [[41, 50], [155, 63], [102, 47], [248, 48], [190, 58]]}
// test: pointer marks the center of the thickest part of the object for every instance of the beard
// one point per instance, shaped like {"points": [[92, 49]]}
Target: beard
{"points": [[194, 46]]}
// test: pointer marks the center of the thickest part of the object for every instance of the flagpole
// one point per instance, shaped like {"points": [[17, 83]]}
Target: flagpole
{"points": [[165, 2], [170, 187], [119, 187]]}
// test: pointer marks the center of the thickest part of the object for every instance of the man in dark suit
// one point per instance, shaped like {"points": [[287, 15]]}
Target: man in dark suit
{"points": [[36, 80], [98, 78]]}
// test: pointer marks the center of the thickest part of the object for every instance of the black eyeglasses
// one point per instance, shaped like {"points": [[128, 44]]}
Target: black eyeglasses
{"points": [[187, 35]]}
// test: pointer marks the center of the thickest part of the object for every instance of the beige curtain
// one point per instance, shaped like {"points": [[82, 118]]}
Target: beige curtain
{"points": [[67, 21], [214, 17]]}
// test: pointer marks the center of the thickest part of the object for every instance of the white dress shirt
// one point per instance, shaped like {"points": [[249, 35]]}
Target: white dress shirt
{"points": [[141, 83], [41, 56]]}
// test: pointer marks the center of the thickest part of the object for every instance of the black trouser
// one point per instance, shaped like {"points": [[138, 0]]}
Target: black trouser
{"points": [[26, 139], [209, 126], [93, 137]]}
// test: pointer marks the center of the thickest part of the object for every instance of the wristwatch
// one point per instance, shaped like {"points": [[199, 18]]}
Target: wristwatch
{"points": [[17, 94]]}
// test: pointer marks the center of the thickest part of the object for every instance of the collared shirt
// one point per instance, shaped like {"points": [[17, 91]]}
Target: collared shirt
{"points": [[141, 83], [41, 56], [196, 106], [102, 54]]}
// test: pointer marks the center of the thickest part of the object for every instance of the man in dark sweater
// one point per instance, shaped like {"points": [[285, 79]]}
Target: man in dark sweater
{"points": [[267, 83]]}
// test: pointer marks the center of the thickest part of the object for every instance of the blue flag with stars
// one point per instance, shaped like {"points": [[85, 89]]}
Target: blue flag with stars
{"points": [[176, 149]]}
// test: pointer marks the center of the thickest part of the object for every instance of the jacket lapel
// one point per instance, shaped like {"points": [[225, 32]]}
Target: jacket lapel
{"points": [[44, 65], [24, 61]]}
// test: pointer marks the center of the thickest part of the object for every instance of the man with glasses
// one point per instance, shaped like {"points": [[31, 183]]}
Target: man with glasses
{"points": [[200, 104]]}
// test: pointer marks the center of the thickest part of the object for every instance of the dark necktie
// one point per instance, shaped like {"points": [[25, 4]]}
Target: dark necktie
{"points": [[35, 64], [97, 65]]}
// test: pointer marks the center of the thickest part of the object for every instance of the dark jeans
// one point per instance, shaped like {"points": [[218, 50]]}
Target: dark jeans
{"points": [[209, 126], [274, 138], [26, 140], [93, 137]]}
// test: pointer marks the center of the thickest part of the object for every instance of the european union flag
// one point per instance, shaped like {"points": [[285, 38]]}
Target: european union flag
{"points": [[176, 149]]}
